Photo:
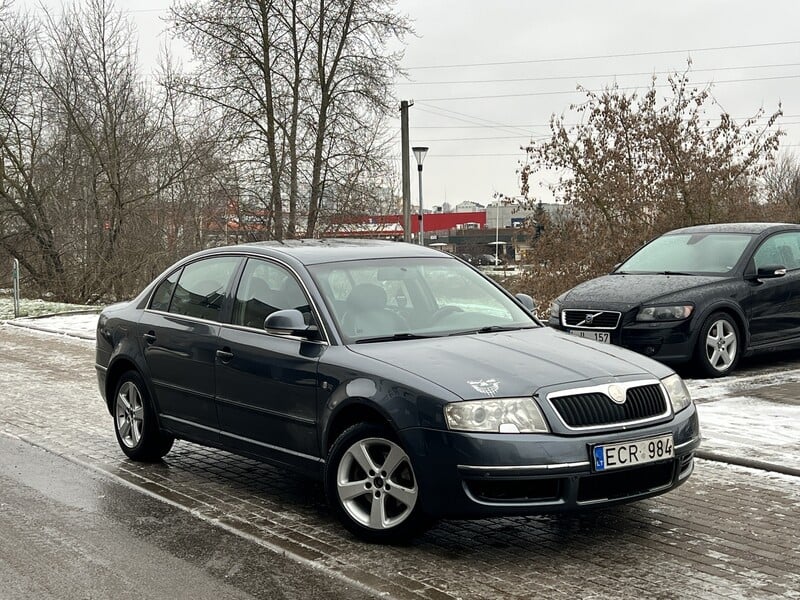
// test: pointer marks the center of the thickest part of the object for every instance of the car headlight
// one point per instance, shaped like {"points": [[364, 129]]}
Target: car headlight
{"points": [[665, 313], [677, 392], [498, 415]]}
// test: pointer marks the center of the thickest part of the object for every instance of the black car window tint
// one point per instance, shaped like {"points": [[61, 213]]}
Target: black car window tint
{"points": [[202, 286], [163, 294], [264, 288]]}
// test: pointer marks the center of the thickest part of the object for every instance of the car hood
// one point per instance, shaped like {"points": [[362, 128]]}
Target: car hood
{"points": [[627, 291], [507, 364]]}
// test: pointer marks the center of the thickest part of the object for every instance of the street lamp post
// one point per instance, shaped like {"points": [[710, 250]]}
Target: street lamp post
{"points": [[419, 154], [497, 235]]}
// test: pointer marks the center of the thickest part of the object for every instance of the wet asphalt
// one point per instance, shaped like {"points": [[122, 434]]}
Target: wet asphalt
{"points": [[66, 532]]}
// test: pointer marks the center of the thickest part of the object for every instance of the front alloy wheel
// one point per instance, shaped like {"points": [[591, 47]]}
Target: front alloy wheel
{"points": [[718, 346], [371, 485]]}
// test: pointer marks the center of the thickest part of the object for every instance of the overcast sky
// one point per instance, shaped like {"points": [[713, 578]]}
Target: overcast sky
{"points": [[474, 138]]}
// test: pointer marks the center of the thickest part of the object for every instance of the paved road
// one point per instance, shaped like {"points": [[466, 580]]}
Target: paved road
{"points": [[728, 533], [68, 532]]}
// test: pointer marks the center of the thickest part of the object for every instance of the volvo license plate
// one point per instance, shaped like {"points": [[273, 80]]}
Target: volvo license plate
{"points": [[597, 336], [630, 454]]}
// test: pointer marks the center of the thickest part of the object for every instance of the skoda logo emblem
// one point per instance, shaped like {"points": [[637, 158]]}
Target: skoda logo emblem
{"points": [[617, 394]]}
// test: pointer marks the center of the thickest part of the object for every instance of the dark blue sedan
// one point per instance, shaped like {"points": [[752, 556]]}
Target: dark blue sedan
{"points": [[413, 385]]}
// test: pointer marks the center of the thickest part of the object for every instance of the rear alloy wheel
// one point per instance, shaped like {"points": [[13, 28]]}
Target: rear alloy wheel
{"points": [[371, 485], [718, 345], [135, 421]]}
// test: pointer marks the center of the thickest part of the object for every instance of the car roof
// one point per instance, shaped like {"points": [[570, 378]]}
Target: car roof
{"points": [[752, 228], [316, 251]]}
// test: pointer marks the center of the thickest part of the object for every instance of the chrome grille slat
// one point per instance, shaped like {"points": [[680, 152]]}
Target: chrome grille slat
{"points": [[595, 409], [597, 319]]}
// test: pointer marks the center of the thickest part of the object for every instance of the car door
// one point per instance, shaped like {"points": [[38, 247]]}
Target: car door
{"points": [[266, 385], [178, 334], [773, 305]]}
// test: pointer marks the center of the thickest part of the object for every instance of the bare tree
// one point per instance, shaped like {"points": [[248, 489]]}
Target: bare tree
{"points": [[92, 155], [296, 77], [26, 224], [636, 166], [782, 187]]}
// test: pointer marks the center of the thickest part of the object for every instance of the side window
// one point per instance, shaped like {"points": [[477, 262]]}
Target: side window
{"points": [[264, 288], [201, 288], [163, 293], [782, 249]]}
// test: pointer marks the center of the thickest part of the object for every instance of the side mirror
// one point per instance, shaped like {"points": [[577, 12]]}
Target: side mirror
{"points": [[289, 322], [527, 302], [769, 272]]}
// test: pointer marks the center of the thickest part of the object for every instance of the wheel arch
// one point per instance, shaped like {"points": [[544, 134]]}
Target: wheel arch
{"points": [[732, 310], [117, 369], [352, 411]]}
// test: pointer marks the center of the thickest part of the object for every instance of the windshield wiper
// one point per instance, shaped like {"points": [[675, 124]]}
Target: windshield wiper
{"points": [[493, 329], [394, 337], [673, 273]]}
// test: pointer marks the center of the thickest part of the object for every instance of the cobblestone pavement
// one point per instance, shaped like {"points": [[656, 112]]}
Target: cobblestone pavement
{"points": [[728, 533]]}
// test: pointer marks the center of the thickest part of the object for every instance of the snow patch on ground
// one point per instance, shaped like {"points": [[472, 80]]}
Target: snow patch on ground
{"points": [[37, 307], [752, 428], [714, 389], [81, 325]]}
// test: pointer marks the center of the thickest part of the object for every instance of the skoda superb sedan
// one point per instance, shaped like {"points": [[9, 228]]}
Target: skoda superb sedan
{"points": [[414, 386], [705, 295]]}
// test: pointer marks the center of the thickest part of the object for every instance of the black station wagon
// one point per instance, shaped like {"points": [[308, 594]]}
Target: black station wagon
{"points": [[413, 385]]}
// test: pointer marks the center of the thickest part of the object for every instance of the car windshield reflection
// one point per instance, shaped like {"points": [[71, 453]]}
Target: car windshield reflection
{"points": [[688, 254], [400, 299]]}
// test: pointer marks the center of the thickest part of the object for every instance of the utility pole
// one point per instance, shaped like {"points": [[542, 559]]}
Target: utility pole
{"points": [[406, 175]]}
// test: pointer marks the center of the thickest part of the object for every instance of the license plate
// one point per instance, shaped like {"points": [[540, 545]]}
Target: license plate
{"points": [[630, 454], [597, 336]]}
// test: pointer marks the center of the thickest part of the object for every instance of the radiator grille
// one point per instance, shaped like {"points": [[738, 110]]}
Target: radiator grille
{"points": [[591, 319], [596, 408]]}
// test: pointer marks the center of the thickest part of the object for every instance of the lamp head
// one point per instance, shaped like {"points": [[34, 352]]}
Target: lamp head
{"points": [[419, 153]]}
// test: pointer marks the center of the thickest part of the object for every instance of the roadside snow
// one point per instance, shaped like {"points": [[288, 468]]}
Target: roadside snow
{"points": [[37, 307], [80, 325], [752, 428]]}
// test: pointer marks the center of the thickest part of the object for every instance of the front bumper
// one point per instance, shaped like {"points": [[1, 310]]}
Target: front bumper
{"points": [[464, 475], [669, 342]]}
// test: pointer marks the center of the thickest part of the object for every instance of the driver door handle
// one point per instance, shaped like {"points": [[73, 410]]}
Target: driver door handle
{"points": [[225, 355], [149, 337]]}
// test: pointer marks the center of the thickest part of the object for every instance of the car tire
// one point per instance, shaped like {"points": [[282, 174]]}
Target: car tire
{"points": [[371, 485], [718, 345], [135, 423]]}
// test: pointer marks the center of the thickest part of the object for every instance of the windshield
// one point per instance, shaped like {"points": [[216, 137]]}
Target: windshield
{"points": [[695, 253], [406, 298]]}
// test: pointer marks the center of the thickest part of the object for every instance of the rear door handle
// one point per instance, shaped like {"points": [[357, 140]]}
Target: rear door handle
{"points": [[225, 355], [150, 337]]}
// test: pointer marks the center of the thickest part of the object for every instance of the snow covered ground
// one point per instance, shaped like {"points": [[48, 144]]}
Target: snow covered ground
{"points": [[753, 415], [38, 307]]}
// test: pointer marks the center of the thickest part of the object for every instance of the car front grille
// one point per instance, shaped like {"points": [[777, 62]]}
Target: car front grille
{"points": [[590, 319], [596, 408]]}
